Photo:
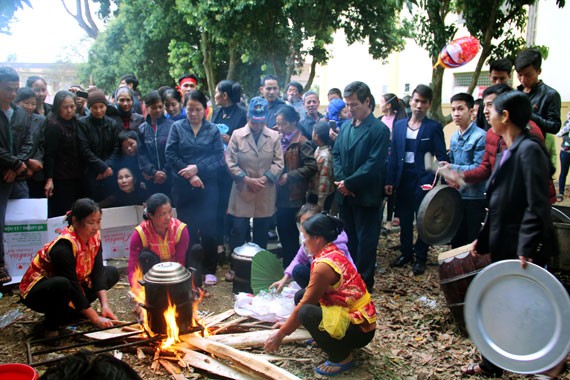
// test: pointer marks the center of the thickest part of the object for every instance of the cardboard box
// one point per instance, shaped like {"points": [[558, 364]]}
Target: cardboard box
{"points": [[27, 229]]}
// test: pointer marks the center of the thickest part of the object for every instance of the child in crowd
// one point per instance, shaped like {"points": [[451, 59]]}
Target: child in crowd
{"points": [[321, 189]]}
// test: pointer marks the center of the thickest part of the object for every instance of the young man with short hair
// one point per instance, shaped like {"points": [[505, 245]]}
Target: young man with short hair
{"points": [[359, 162], [311, 103], [15, 150], [466, 151], [544, 99], [294, 98], [500, 71], [269, 89], [412, 139]]}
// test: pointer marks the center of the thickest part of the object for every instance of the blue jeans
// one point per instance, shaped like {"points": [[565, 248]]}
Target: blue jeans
{"points": [[564, 164]]}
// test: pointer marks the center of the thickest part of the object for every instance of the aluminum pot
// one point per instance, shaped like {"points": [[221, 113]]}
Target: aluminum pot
{"points": [[241, 261], [163, 281]]}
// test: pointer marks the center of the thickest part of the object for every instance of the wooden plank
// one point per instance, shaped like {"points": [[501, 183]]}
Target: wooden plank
{"points": [[453, 252], [217, 318], [257, 338], [262, 368], [227, 325], [212, 365], [174, 371]]}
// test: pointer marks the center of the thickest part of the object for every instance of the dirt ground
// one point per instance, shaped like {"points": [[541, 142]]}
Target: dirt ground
{"points": [[416, 337]]}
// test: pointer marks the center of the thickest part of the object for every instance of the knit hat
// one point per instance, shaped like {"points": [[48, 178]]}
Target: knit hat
{"points": [[334, 108], [96, 96], [257, 110]]}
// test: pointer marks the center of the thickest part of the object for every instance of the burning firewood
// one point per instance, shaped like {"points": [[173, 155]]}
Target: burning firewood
{"points": [[174, 371], [262, 368]]}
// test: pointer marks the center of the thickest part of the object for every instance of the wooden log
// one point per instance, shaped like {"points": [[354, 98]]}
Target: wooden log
{"points": [[256, 338], [227, 325], [174, 371], [215, 319], [212, 365], [274, 358], [262, 368]]}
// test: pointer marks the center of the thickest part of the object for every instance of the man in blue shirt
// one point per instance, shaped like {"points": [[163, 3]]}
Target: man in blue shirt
{"points": [[466, 151]]}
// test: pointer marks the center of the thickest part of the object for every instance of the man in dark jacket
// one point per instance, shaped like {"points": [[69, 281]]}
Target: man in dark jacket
{"points": [[270, 91], [15, 150], [412, 139], [359, 157], [544, 99]]}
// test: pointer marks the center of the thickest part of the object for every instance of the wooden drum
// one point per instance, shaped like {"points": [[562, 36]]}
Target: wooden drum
{"points": [[457, 268]]}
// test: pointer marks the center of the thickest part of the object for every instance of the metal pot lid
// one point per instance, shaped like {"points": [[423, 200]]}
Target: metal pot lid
{"points": [[439, 215], [247, 250], [518, 318], [167, 273]]}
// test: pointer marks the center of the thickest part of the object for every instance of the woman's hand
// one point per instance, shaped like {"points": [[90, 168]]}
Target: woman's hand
{"points": [[255, 184], [225, 138], [188, 172], [107, 313], [106, 174], [524, 260], [197, 182], [274, 341], [279, 285], [473, 249], [48, 188], [102, 322], [159, 177]]}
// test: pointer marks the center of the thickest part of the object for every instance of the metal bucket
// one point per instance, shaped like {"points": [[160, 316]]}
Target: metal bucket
{"points": [[241, 263], [163, 281]]}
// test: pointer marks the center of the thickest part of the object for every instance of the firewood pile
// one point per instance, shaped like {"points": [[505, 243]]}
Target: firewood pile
{"points": [[220, 349]]}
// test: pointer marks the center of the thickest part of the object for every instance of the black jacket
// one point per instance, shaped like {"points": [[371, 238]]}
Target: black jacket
{"points": [[152, 145], [17, 132], [62, 159], [519, 222], [545, 107], [98, 142]]}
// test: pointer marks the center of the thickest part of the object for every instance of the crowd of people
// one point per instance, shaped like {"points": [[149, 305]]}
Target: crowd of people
{"points": [[234, 173]]}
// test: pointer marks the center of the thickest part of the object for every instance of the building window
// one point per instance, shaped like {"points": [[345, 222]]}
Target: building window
{"points": [[464, 79]]}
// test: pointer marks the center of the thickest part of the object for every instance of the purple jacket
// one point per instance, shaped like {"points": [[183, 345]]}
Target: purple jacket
{"points": [[302, 258]]}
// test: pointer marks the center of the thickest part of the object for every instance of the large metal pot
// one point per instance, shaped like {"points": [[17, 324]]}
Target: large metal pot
{"points": [[164, 281], [241, 262]]}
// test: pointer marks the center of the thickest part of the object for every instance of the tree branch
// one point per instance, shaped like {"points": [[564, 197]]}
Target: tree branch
{"points": [[91, 30]]}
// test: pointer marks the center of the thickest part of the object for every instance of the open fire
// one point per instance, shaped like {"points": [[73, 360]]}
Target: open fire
{"points": [[165, 302]]}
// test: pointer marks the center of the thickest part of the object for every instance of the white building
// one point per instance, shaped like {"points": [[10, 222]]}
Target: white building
{"points": [[406, 69]]}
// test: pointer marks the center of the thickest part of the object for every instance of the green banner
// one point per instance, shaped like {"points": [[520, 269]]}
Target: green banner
{"points": [[25, 228]]}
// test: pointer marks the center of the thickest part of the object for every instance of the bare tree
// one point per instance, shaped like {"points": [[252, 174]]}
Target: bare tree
{"points": [[83, 17]]}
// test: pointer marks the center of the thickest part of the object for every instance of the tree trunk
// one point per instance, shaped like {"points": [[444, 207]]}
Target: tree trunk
{"points": [[486, 46], [436, 112], [233, 60], [208, 64], [311, 75]]}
